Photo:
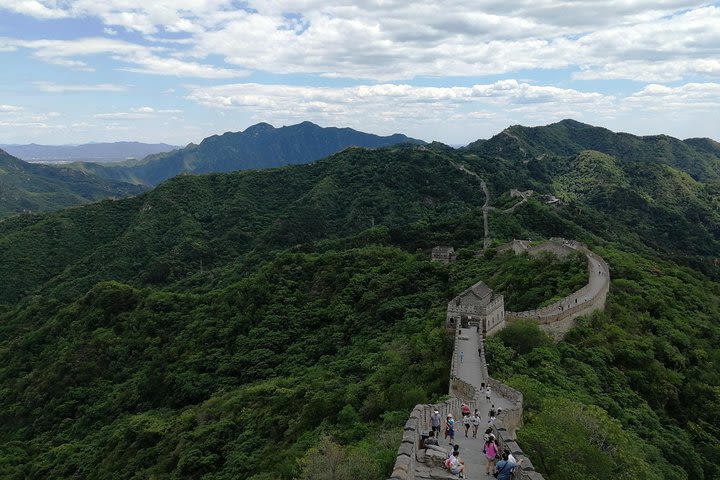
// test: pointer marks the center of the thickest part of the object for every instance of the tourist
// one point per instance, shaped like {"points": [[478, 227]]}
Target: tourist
{"points": [[490, 449], [504, 468], [435, 422], [511, 457], [465, 409], [431, 439], [487, 393], [466, 424], [475, 420], [454, 463], [462, 355], [450, 428], [491, 415]]}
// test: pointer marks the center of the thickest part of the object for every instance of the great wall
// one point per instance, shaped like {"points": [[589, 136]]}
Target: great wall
{"points": [[469, 372]]}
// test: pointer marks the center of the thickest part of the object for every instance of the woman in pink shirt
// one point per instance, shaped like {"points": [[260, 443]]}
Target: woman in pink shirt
{"points": [[491, 450]]}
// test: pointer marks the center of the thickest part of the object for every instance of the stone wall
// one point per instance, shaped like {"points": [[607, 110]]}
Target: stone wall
{"points": [[557, 319], [410, 457], [413, 463], [507, 423]]}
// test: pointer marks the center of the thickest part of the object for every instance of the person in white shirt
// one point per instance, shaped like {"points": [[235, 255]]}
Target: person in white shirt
{"points": [[475, 420]]}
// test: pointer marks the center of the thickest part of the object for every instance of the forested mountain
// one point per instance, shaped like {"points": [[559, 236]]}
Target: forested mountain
{"points": [[699, 157], [89, 152], [237, 325], [26, 187], [259, 146]]}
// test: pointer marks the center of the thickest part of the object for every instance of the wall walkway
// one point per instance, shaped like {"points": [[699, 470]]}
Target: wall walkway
{"points": [[557, 319]]}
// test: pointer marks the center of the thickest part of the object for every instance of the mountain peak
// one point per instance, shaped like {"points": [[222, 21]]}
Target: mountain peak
{"points": [[306, 123], [258, 129], [570, 123]]}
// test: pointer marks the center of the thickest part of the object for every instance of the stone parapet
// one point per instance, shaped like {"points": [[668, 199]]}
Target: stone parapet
{"points": [[556, 319]]}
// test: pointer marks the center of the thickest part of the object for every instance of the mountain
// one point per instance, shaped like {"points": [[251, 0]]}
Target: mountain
{"points": [[259, 146], [26, 187], [90, 152], [698, 157], [242, 325]]}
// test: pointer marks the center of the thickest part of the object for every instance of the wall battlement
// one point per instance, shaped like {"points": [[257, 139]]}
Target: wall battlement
{"points": [[557, 319]]}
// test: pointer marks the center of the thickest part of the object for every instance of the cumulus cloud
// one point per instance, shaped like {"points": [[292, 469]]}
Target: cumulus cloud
{"points": [[393, 103], [689, 97], [391, 40]]}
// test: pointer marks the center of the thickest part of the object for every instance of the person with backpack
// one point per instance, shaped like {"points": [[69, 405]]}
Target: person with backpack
{"points": [[466, 424], [491, 415], [504, 468], [490, 449]]}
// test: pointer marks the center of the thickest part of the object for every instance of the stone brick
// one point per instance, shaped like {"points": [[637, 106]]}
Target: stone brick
{"points": [[406, 449]]}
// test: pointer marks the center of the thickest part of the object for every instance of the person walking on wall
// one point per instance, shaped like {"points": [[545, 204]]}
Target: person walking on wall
{"points": [[490, 449], [435, 422], [466, 424], [487, 393], [450, 428], [462, 356], [475, 420]]}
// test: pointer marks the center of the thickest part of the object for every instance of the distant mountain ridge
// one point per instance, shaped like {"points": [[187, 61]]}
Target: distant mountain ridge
{"points": [[89, 152], [700, 157], [28, 187], [259, 146]]}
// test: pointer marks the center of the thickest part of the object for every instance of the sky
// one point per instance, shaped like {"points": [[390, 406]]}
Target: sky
{"points": [[177, 71]]}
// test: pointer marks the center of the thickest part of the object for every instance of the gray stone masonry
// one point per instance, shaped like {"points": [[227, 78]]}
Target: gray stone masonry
{"points": [[557, 319]]}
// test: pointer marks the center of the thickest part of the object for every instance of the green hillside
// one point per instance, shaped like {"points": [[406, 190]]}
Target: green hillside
{"points": [[236, 325], [27, 187], [700, 157], [259, 146]]}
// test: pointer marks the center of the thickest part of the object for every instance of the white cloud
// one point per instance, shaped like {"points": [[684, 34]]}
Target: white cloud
{"points": [[691, 97], [38, 9], [51, 87], [386, 40], [145, 59], [396, 104], [10, 108], [137, 113]]}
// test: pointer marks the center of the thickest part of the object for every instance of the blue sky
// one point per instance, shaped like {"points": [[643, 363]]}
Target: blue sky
{"points": [[177, 71]]}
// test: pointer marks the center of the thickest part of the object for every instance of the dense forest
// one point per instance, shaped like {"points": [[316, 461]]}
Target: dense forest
{"points": [[30, 187], [238, 325]]}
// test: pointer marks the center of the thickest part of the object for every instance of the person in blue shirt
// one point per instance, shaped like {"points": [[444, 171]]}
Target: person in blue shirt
{"points": [[504, 468]]}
